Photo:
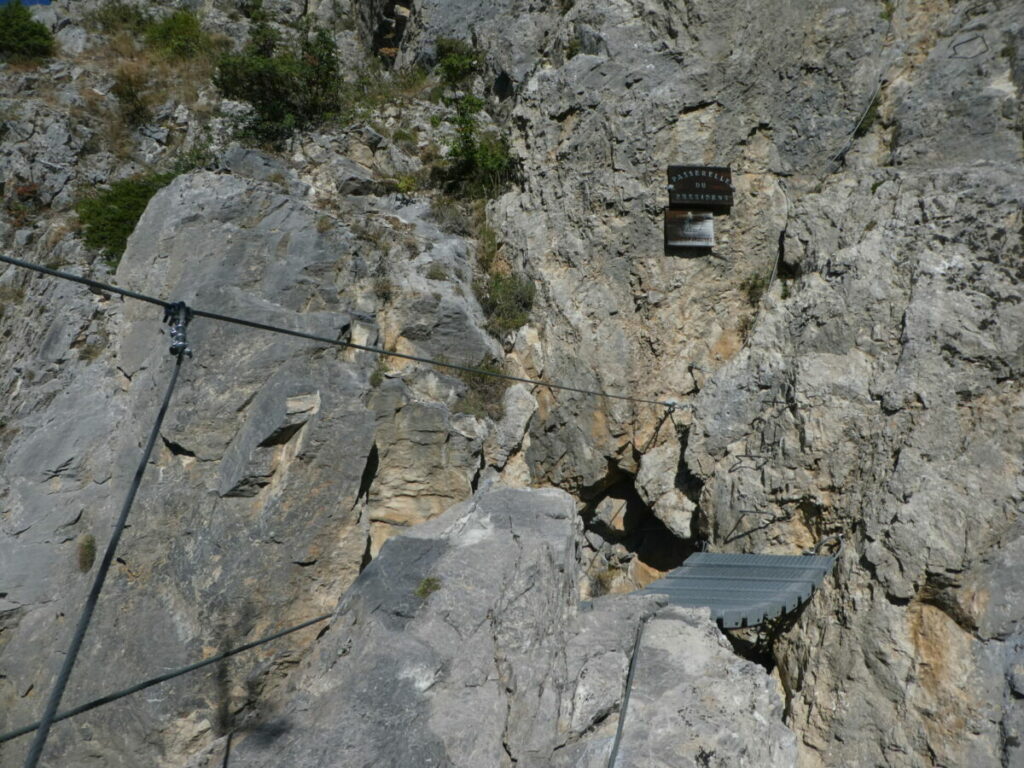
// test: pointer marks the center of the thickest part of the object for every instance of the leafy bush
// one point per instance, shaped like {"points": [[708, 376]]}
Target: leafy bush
{"points": [[869, 117], [487, 245], [130, 89], [456, 60], [21, 37], [484, 394], [506, 300], [289, 89], [117, 16], [109, 217], [179, 36], [10, 296], [754, 286], [479, 165]]}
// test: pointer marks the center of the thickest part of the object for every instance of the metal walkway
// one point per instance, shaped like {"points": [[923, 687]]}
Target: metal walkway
{"points": [[743, 590]]}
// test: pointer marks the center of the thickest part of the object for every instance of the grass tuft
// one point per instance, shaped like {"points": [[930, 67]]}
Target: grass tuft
{"points": [[484, 394], [427, 587], [86, 551]]}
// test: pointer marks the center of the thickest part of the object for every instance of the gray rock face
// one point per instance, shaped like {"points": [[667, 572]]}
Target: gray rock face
{"points": [[461, 645], [872, 391], [688, 708], [275, 463], [892, 420], [630, 88]]}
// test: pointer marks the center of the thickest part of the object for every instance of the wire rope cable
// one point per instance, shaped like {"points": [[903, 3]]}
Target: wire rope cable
{"points": [[114, 696], [95, 284], [671, 404], [629, 687], [835, 160], [36, 750]]}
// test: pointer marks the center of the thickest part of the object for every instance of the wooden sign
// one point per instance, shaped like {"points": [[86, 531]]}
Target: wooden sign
{"points": [[700, 188]]}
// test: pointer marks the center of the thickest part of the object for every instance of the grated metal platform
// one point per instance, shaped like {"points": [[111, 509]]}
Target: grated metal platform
{"points": [[743, 590]]}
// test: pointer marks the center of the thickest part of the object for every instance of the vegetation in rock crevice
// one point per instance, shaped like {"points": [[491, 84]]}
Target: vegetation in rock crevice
{"points": [[484, 394], [479, 162], [506, 300], [427, 587], [179, 36]]}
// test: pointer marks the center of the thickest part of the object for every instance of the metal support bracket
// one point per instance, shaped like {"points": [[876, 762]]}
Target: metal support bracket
{"points": [[178, 316]]}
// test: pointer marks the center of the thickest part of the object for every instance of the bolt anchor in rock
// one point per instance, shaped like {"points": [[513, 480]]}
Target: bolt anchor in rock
{"points": [[178, 316]]}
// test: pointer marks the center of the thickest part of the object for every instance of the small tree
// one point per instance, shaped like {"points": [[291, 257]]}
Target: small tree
{"points": [[289, 89], [179, 36], [21, 36]]}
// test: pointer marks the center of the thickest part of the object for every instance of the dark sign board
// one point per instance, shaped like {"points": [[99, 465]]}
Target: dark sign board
{"points": [[689, 229], [700, 188]]}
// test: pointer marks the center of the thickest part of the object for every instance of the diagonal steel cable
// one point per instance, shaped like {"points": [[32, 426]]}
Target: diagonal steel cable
{"points": [[114, 696], [36, 750]]}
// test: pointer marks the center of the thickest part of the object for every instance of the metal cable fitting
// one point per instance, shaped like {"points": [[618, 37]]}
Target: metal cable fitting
{"points": [[178, 315]]}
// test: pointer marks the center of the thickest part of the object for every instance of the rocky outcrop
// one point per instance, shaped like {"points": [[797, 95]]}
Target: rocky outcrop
{"points": [[281, 468], [895, 421], [847, 362], [462, 644]]}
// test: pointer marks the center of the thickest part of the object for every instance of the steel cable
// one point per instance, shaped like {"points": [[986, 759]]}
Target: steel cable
{"points": [[614, 756], [671, 404], [110, 697], [36, 750]]}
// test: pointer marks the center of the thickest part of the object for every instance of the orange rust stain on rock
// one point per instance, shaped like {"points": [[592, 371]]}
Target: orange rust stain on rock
{"points": [[726, 345], [944, 670], [599, 426]]}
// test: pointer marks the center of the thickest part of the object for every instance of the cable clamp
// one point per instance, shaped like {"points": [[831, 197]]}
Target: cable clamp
{"points": [[178, 315]]}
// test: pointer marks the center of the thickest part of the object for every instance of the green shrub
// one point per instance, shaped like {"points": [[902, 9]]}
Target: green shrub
{"points": [[484, 394], [179, 36], [21, 37], [372, 87], [383, 289], [456, 60], [479, 165], [377, 374], [10, 297], [115, 16], [450, 215], [869, 118], [109, 217], [130, 89], [437, 272], [486, 246], [199, 156], [754, 286], [506, 300], [289, 89]]}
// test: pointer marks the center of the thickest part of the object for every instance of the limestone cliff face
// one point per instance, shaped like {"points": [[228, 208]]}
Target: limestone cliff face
{"points": [[847, 360]]}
